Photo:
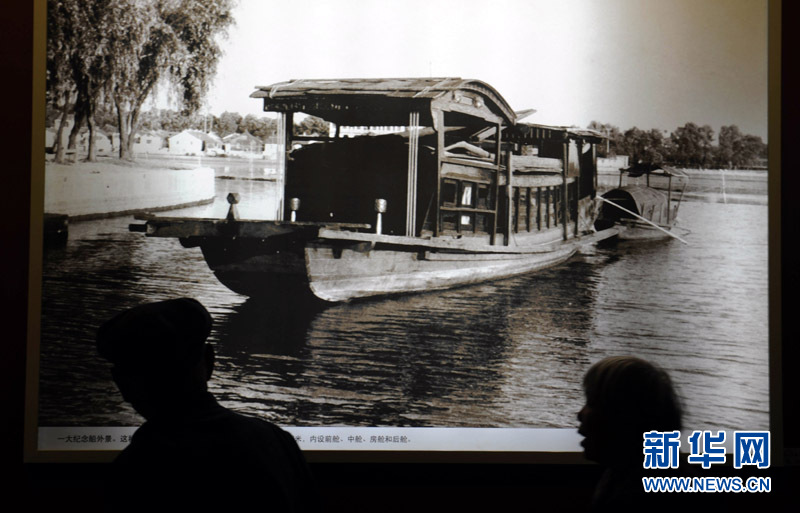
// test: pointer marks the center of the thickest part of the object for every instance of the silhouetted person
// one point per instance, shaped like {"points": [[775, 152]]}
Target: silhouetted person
{"points": [[626, 397], [192, 454]]}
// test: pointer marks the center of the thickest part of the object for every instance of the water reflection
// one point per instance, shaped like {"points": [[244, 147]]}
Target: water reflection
{"points": [[445, 358]]}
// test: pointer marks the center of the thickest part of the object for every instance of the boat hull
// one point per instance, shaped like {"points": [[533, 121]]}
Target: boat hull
{"points": [[356, 274], [259, 269], [631, 230], [333, 272]]}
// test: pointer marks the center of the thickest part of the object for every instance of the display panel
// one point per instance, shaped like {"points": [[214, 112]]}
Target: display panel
{"points": [[494, 367]]}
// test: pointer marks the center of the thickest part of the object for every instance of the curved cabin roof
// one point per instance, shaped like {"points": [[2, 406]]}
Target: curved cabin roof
{"points": [[386, 101], [639, 198]]}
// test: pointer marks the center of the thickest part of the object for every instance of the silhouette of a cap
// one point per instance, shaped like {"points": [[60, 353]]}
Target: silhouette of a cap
{"points": [[156, 336]]}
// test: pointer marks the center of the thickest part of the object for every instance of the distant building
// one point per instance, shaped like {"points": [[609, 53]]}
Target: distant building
{"points": [[148, 141], [195, 142], [102, 141], [154, 141], [243, 144]]}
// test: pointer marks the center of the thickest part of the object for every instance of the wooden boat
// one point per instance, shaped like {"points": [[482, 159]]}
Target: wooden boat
{"points": [[458, 192], [645, 204]]}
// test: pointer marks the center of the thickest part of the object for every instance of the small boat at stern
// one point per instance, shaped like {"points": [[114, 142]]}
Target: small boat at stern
{"points": [[645, 204], [421, 184]]}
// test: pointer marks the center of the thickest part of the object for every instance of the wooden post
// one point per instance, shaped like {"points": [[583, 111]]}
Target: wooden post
{"points": [[439, 156], [285, 126], [546, 193], [575, 207], [288, 123], [497, 162], [669, 199], [411, 193], [564, 192], [538, 209], [528, 209], [594, 168], [509, 198]]}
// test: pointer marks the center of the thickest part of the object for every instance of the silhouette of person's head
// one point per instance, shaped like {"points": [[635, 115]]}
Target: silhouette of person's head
{"points": [[625, 397], [159, 353]]}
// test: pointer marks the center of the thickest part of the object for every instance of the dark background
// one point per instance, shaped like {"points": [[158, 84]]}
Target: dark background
{"points": [[355, 486]]}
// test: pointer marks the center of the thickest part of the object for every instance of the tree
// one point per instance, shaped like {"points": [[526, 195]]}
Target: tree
{"points": [[79, 63], [172, 121], [737, 150], [261, 127], [228, 123], [51, 114], [613, 142], [150, 120], [751, 150], [655, 149], [164, 40], [61, 45], [91, 65], [312, 125], [729, 147], [706, 146], [692, 145], [644, 146]]}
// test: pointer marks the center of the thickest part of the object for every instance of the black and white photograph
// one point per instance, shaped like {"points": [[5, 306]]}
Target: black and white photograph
{"points": [[415, 224]]}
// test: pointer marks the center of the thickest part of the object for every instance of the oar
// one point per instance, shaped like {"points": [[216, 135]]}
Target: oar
{"points": [[643, 219]]}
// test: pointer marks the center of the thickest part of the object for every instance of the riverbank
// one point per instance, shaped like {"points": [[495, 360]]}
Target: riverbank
{"points": [[89, 190]]}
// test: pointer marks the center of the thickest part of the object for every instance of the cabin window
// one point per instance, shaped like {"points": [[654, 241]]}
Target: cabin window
{"points": [[449, 221], [465, 206], [466, 224], [484, 197], [483, 223], [449, 193], [466, 194], [524, 209]]}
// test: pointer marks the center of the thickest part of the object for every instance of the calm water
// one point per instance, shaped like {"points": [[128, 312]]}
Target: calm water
{"points": [[501, 354]]}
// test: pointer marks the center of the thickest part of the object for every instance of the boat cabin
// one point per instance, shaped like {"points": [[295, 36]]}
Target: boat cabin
{"points": [[418, 184], [455, 162]]}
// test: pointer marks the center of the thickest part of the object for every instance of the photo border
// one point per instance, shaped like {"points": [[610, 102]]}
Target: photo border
{"points": [[32, 453]]}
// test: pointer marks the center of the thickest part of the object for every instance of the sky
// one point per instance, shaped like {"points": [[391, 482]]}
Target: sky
{"points": [[644, 63]]}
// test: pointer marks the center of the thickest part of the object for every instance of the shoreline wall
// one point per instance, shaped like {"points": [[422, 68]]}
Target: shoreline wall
{"points": [[86, 193]]}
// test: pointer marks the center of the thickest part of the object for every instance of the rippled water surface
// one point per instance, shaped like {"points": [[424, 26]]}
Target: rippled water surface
{"points": [[506, 353]]}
